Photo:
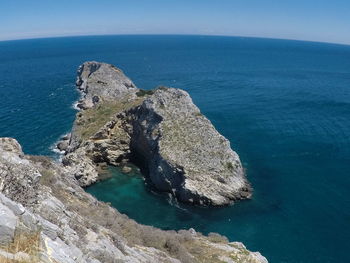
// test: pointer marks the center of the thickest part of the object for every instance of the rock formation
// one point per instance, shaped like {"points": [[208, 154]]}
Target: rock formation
{"points": [[45, 216], [179, 148]]}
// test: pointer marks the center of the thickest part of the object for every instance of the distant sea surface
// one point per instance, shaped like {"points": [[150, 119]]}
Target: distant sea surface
{"points": [[284, 105]]}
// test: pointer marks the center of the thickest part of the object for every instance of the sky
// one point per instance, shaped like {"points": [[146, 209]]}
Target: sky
{"points": [[314, 20]]}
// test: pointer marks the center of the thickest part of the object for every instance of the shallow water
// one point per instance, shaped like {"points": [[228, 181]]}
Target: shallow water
{"points": [[284, 105]]}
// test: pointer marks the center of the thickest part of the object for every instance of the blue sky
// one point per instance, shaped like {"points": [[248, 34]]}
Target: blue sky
{"points": [[316, 20]]}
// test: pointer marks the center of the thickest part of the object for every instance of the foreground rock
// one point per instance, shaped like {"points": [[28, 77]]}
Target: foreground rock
{"points": [[162, 130], [45, 216]]}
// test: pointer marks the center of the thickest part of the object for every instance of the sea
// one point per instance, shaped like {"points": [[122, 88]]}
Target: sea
{"points": [[283, 104]]}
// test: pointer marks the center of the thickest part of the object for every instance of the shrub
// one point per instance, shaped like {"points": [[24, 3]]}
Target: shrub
{"points": [[142, 92], [47, 177]]}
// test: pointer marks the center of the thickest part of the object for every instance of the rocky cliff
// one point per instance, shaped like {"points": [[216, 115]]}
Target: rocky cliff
{"points": [[161, 129], [45, 216]]}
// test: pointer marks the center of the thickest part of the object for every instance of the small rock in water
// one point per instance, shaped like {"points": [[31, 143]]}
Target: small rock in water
{"points": [[62, 146], [126, 169]]}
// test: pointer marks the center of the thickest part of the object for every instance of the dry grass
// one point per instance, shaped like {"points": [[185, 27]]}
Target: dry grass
{"points": [[28, 243], [91, 120], [181, 245], [143, 92], [47, 177]]}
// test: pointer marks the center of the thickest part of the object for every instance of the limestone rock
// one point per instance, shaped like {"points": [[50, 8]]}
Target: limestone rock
{"points": [[100, 82], [16, 208], [81, 167], [162, 129], [10, 145], [19, 180], [8, 222], [184, 152], [62, 146]]}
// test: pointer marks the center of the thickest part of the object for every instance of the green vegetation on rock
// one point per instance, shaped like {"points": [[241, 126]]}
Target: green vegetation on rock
{"points": [[91, 120], [142, 92]]}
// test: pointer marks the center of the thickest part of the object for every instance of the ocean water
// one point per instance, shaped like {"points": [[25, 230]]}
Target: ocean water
{"points": [[284, 105]]}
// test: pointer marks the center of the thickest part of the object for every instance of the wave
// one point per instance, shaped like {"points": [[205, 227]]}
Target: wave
{"points": [[75, 106]]}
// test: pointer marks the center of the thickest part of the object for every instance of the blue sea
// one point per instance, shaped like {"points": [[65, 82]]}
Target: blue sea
{"points": [[284, 105]]}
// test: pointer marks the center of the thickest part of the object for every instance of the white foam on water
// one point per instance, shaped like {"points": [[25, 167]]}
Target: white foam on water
{"points": [[58, 153], [75, 106]]}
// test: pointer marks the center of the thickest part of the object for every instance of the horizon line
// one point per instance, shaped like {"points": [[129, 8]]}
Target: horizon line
{"points": [[175, 34]]}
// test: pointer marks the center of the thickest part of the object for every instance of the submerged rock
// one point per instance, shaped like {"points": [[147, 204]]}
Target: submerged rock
{"points": [[126, 169], [161, 129]]}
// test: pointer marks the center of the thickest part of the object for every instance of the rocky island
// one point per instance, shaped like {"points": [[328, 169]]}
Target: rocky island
{"points": [[178, 147], [46, 216]]}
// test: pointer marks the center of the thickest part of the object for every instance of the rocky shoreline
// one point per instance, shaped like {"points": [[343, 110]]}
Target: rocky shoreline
{"points": [[161, 129], [46, 216]]}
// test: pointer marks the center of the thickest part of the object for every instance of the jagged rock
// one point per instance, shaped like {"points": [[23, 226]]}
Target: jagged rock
{"points": [[16, 208], [60, 251], [82, 167], [62, 146], [10, 145], [18, 182], [162, 128], [63, 143], [49, 229], [8, 222], [94, 77], [29, 220]]}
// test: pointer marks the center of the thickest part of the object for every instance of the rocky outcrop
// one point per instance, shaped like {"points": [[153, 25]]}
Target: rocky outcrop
{"points": [[102, 82], [45, 216], [161, 129], [184, 153]]}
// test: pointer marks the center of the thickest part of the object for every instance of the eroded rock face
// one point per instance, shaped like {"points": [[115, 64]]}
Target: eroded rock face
{"points": [[42, 200], [8, 222], [183, 152]]}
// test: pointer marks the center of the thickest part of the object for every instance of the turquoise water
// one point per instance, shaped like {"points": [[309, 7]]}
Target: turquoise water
{"points": [[284, 105]]}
